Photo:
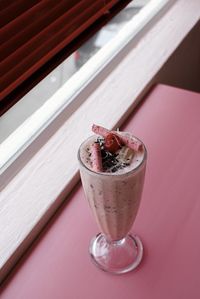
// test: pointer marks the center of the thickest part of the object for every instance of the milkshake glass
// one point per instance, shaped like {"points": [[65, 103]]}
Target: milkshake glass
{"points": [[114, 199]]}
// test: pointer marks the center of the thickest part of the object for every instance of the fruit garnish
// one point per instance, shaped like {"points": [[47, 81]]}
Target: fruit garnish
{"points": [[130, 142], [112, 143], [126, 155]]}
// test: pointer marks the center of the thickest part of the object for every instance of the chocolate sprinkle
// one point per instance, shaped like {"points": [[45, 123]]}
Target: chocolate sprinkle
{"points": [[110, 161]]}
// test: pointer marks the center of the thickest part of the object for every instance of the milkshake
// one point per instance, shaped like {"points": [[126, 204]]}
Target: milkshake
{"points": [[112, 168]]}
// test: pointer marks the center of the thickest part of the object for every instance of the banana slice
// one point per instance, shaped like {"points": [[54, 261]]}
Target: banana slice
{"points": [[125, 155]]}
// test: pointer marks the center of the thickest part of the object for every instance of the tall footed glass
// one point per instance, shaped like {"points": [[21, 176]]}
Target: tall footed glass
{"points": [[114, 199]]}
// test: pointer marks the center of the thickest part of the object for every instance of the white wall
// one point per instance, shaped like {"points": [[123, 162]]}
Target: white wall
{"points": [[183, 67]]}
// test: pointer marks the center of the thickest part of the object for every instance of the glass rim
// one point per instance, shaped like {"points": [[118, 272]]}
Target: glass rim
{"points": [[112, 174]]}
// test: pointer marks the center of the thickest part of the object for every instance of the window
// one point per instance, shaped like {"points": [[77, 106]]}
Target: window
{"points": [[117, 84], [60, 77], [33, 33]]}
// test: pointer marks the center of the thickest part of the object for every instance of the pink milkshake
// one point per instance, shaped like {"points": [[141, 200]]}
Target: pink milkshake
{"points": [[113, 190]]}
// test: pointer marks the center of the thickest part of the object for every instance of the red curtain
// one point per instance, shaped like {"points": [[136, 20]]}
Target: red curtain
{"points": [[34, 31]]}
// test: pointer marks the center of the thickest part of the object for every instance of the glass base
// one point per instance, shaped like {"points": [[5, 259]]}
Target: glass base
{"points": [[116, 257]]}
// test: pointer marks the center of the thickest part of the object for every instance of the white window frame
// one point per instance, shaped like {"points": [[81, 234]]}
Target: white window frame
{"points": [[35, 192], [15, 144]]}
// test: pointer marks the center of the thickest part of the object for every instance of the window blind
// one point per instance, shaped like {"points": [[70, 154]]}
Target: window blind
{"points": [[33, 32]]}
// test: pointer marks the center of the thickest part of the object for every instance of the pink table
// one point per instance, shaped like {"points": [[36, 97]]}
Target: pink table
{"points": [[58, 265]]}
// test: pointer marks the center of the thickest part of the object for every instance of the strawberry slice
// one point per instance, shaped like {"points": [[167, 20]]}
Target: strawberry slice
{"points": [[112, 143], [132, 143]]}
